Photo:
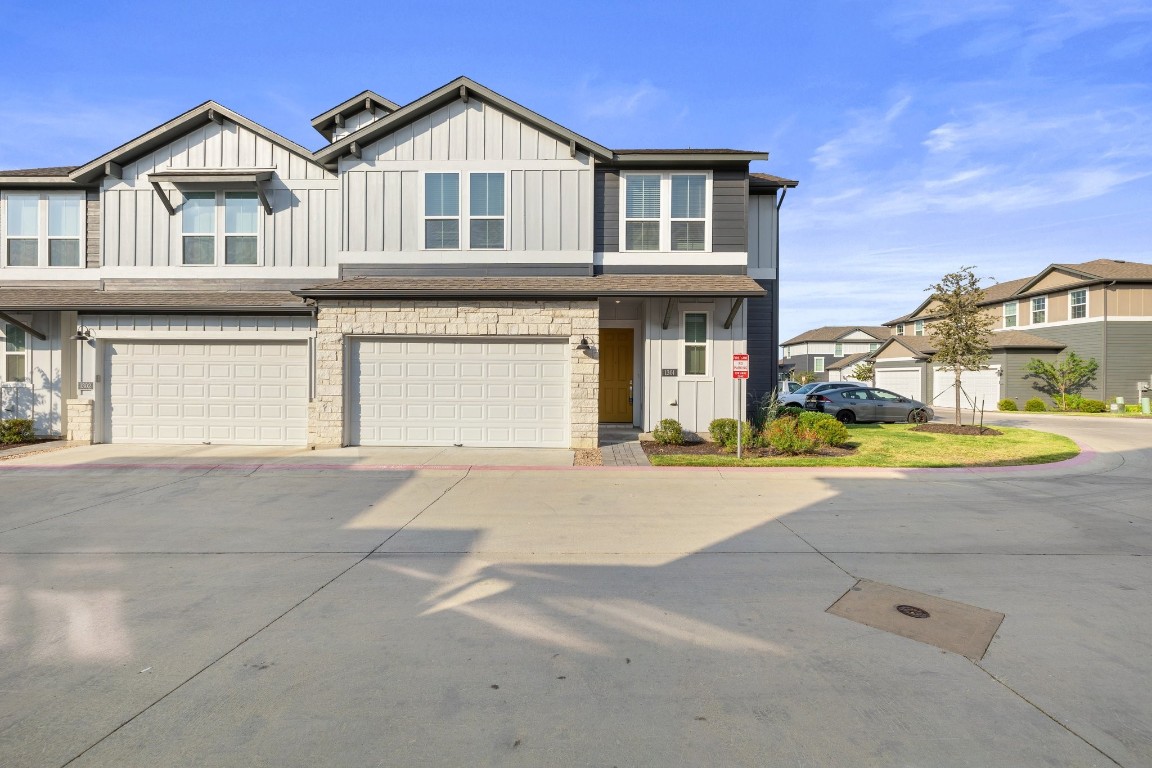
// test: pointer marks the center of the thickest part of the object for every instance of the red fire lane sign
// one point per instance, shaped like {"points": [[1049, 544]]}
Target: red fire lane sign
{"points": [[739, 366]]}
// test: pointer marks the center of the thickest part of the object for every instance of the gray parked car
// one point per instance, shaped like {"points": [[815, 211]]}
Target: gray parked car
{"points": [[868, 404], [797, 396]]}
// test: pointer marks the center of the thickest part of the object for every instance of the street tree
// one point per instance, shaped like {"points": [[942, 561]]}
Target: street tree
{"points": [[1069, 376], [960, 328], [864, 372]]}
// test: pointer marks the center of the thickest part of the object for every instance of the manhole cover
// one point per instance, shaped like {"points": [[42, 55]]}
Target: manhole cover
{"points": [[913, 611]]}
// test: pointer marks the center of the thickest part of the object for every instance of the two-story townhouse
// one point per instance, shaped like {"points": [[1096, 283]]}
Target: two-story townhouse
{"points": [[815, 350], [457, 270], [1100, 309]]}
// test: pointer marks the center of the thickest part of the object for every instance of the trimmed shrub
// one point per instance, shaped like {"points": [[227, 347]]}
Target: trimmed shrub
{"points": [[1092, 406], [827, 428], [790, 437], [1035, 404], [790, 410], [723, 432], [1007, 404], [669, 432], [14, 431], [1069, 402]]}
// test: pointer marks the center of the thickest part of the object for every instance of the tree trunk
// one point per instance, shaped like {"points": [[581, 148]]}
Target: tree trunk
{"points": [[957, 387]]}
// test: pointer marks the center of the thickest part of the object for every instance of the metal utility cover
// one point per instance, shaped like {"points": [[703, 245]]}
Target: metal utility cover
{"points": [[963, 629]]}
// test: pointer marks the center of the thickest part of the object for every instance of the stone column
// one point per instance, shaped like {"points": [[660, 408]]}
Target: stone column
{"points": [[79, 427]]}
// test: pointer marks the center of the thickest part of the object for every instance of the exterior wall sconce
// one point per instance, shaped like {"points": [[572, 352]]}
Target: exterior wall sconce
{"points": [[583, 345], [83, 333]]}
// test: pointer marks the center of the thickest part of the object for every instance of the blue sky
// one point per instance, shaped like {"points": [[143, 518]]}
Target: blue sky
{"points": [[926, 135]]}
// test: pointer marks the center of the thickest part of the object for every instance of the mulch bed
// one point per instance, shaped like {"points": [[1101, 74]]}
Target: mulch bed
{"points": [[953, 429], [713, 449]]}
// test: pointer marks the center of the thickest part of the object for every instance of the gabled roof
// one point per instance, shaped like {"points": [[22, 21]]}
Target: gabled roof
{"points": [[194, 118], [1096, 271], [848, 362], [921, 346], [446, 94], [837, 332], [365, 100]]}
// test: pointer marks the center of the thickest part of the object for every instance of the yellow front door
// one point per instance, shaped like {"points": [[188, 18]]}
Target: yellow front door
{"points": [[616, 375]]}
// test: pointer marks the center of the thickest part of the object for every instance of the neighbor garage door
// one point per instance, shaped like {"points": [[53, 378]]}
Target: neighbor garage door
{"points": [[250, 393], [977, 388], [902, 381], [476, 392]]}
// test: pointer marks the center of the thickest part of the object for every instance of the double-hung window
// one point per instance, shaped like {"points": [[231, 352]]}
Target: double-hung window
{"points": [[486, 210], [15, 354], [44, 224], [919, 327], [695, 343], [642, 212], [220, 227], [839, 349], [1039, 309], [817, 365], [1078, 303], [665, 211], [1011, 314], [442, 211], [688, 211]]}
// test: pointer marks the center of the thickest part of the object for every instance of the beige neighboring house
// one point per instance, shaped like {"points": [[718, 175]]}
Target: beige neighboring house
{"points": [[1100, 309], [816, 350], [459, 270]]}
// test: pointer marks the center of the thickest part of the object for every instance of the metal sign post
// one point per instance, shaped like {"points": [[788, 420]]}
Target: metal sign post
{"points": [[739, 376]]}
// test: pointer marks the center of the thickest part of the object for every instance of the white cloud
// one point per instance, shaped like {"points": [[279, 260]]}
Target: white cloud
{"points": [[609, 100], [870, 129]]}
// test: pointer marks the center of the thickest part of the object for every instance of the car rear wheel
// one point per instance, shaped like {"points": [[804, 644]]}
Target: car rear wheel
{"points": [[846, 417], [918, 416]]}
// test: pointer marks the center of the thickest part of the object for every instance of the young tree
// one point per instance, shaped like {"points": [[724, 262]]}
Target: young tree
{"points": [[961, 328], [1069, 376], [804, 377], [864, 372]]}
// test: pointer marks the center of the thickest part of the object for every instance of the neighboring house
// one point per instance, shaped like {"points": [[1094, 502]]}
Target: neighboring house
{"points": [[1100, 309], [815, 350], [841, 370], [457, 270]]}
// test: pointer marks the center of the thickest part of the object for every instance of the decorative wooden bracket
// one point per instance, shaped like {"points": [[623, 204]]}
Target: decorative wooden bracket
{"points": [[668, 313], [732, 315], [164, 198], [25, 326]]}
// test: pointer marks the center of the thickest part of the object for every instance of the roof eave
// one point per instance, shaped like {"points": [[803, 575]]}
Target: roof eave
{"points": [[681, 158], [516, 293], [39, 182]]}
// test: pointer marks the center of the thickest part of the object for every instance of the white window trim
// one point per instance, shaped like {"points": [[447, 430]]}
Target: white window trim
{"points": [[461, 206], [665, 210], [899, 329], [1032, 310], [1004, 316], [818, 365], [708, 345], [27, 352], [220, 235], [42, 238], [918, 328], [466, 198], [838, 349], [1071, 305]]}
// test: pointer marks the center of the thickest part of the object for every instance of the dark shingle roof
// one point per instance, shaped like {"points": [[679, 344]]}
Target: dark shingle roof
{"points": [[768, 180], [686, 152], [540, 287], [1111, 269], [41, 297], [35, 173], [847, 362]]}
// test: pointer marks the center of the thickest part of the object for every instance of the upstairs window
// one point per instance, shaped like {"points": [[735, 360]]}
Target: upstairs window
{"points": [[839, 351], [1039, 309], [1011, 310], [919, 328], [44, 225], [15, 354], [442, 211], [688, 211], [1078, 303], [486, 210], [900, 329], [220, 228], [874, 346], [695, 343], [642, 212]]}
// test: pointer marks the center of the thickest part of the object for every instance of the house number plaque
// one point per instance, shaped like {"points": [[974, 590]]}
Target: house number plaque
{"points": [[669, 371]]}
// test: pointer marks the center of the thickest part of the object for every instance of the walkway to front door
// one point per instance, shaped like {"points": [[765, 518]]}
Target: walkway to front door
{"points": [[616, 375]]}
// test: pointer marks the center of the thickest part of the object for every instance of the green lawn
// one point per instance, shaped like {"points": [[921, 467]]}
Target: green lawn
{"points": [[893, 445]]}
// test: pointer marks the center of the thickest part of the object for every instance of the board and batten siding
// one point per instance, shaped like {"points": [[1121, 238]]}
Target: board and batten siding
{"points": [[762, 223], [302, 231], [50, 372], [548, 199]]}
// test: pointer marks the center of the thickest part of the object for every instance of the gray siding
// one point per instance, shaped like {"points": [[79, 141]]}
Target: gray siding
{"points": [[92, 229], [730, 211], [607, 237], [763, 341]]}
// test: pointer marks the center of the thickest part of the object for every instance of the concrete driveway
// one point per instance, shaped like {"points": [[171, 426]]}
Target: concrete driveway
{"points": [[260, 613]]}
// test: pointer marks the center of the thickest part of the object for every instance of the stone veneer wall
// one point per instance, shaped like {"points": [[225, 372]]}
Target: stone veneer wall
{"points": [[79, 427], [336, 320]]}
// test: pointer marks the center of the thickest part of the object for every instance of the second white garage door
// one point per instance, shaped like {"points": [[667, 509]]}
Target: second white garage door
{"points": [[902, 381], [474, 392], [246, 393], [979, 389]]}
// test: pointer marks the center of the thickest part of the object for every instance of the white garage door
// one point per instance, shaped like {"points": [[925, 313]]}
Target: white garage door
{"points": [[976, 388], [902, 381], [477, 392], [251, 393]]}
